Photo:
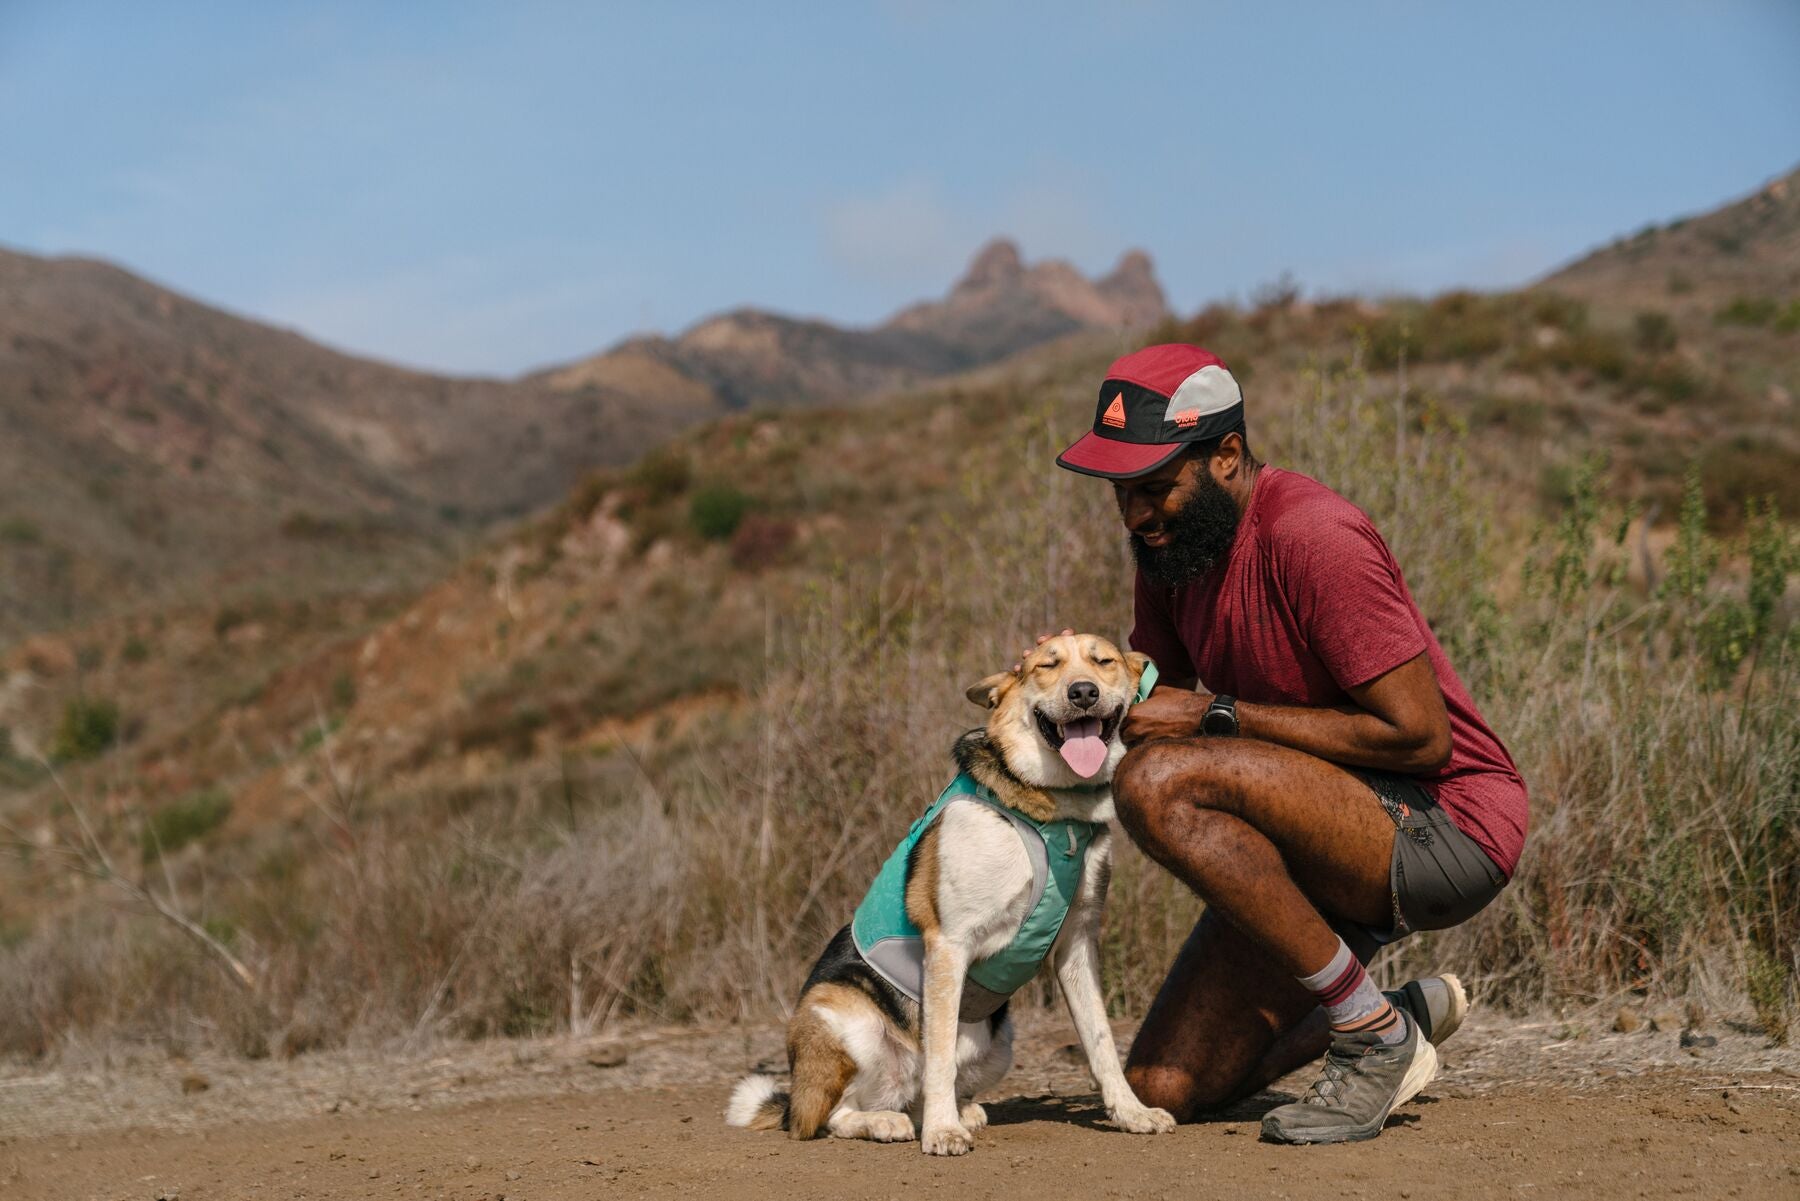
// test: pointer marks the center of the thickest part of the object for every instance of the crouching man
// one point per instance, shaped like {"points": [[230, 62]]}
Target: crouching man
{"points": [[1333, 790]]}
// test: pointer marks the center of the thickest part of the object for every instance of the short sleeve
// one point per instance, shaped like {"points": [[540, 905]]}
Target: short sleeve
{"points": [[1153, 631], [1346, 593]]}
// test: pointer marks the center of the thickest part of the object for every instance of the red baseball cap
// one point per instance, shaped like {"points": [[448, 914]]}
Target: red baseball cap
{"points": [[1154, 404]]}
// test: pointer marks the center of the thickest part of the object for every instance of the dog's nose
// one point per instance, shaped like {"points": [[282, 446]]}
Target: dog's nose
{"points": [[1084, 693]]}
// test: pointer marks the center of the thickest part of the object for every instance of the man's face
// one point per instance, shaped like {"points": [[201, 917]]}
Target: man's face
{"points": [[1180, 519]]}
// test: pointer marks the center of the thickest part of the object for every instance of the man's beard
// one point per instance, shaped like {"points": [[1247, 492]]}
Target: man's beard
{"points": [[1200, 534]]}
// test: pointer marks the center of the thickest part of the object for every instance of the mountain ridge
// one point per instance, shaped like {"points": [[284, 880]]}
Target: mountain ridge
{"points": [[156, 446]]}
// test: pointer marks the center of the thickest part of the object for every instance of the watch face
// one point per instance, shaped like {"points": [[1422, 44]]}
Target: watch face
{"points": [[1218, 721]]}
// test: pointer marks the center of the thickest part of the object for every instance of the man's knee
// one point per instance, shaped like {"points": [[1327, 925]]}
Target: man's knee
{"points": [[1183, 1094], [1158, 784], [1140, 788]]}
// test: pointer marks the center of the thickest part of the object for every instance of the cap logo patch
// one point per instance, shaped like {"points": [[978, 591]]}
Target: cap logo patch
{"points": [[1187, 419], [1115, 412]]}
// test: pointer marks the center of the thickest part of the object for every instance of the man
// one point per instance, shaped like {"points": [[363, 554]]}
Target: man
{"points": [[1332, 789]]}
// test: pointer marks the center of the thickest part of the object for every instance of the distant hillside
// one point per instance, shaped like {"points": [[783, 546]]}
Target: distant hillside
{"points": [[1748, 248], [748, 358], [154, 449]]}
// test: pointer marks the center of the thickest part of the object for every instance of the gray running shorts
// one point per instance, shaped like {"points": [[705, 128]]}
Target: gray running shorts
{"points": [[1438, 877]]}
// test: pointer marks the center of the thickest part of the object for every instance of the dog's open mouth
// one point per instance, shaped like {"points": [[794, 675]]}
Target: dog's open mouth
{"points": [[1081, 741]]}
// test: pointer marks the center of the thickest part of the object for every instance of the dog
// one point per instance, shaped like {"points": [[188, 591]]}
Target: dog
{"points": [[903, 1020]]}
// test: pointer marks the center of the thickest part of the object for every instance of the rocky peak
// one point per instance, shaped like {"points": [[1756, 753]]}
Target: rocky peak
{"points": [[1133, 288], [995, 265]]}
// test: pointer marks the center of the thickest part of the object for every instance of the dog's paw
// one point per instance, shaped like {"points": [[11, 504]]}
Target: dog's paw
{"points": [[890, 1126], [973, 1116], [1144, 1120], [946, 1140]]}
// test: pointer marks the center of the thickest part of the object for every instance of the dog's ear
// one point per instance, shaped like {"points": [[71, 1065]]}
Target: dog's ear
{"points": [[986, 693], [1136, 661]]}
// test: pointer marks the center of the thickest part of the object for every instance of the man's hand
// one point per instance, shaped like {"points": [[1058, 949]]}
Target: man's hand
{"points": [[1026, 653], [1165, 713]]}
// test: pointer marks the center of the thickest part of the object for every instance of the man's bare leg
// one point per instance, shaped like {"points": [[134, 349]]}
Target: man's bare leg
{"points": [[1241, 822], [1226, 1023]]}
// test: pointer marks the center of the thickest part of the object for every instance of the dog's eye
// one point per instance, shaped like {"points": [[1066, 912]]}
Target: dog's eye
{"points": [[1104, 662]]}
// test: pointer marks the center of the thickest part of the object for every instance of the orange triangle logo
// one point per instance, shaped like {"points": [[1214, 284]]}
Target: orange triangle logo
{"points": [[1115, 412]]}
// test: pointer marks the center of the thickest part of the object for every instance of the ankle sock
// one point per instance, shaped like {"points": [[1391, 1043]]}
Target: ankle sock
{"points": [[1351, 1000]]}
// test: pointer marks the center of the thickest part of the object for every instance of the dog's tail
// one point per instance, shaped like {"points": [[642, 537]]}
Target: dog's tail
{"points": [[758, 1103]]}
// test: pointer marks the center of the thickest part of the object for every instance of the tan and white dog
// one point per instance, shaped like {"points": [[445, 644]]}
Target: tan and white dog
{"points": [[868, 1060]]}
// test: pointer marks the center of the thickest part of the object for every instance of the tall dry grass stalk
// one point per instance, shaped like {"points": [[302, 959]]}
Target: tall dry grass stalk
{"points": [[1657, 736]]}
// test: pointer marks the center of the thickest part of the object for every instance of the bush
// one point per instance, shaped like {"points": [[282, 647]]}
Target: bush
{"points": [[717, 510], [311, 527], [1748, 310], [1654, 332], [89, 727], [661, 475], [761, 542], [181, 822], [21, 530]]}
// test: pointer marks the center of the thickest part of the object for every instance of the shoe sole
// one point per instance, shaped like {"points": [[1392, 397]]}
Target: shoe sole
{"points": [[1459, 1009], [1420, 1072]]}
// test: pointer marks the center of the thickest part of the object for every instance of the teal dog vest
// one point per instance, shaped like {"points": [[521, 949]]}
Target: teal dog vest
{"points": [[890, 942]]}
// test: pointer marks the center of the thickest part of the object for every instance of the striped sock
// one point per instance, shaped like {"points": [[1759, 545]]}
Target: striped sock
{"points": [[1351, 1000]]}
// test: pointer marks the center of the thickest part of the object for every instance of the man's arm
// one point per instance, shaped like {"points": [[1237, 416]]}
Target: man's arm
{"points": [[1397, 721]]}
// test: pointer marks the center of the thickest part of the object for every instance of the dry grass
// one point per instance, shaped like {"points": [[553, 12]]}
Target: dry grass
{"points": [[697, 880]]}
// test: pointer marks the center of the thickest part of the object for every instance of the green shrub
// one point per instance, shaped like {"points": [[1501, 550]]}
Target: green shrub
{"points": [[181, 822], [1767, 983], [20, 530], [717, 510], [135, 650], [1654, 332], [662, 474], [1748, 310], [89, 727], [1558, 311], [303, 526]]}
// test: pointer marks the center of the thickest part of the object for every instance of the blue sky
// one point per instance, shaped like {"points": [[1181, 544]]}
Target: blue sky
{"points": [[492, 188]]}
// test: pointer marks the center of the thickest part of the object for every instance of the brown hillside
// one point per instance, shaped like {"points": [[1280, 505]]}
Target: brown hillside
{"points": [[1695, 265], [156, 449]]}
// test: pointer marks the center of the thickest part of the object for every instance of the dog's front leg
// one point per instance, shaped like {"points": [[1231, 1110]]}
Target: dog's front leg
{"points": [[945, 964], [1078, 972]]}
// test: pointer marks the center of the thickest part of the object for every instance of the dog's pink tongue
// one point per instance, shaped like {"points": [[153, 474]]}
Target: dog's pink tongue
{"points": [[1082, 748]]}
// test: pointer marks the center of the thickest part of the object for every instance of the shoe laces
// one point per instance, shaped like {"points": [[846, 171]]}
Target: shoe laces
{"points": [[1338, 1067]]}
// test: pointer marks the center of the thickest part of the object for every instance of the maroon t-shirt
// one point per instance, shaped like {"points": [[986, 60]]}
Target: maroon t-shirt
{"points": [[1308, 604]]}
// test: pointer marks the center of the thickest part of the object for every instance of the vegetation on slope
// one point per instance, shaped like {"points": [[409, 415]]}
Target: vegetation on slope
{"points": [[647, 763]]}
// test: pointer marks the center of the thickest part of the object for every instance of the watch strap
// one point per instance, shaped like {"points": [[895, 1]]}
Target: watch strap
{"points": [[1226, 707]]}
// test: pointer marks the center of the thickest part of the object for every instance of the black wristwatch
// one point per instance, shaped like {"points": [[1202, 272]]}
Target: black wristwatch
{"points": [[1220, 719]]}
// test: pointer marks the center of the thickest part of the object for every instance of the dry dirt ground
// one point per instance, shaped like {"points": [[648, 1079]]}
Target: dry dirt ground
{"points": [[1522, 1109]]}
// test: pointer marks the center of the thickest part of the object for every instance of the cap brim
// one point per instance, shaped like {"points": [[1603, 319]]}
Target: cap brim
{"points": [[1114, 460]]}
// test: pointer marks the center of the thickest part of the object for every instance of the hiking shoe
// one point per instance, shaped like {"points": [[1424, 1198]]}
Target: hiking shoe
{"points": [[1437, 1003], [1363, 1083]]}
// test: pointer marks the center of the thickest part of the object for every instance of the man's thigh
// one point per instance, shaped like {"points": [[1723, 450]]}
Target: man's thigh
{"points": [[1333, 834]]}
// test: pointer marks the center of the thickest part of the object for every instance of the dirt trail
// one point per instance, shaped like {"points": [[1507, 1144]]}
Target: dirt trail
{"points": [[1523, 1109]]}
